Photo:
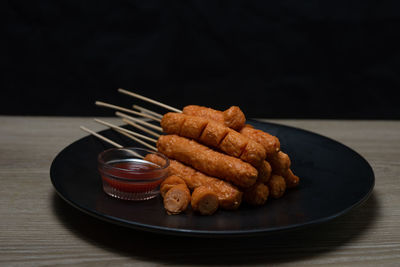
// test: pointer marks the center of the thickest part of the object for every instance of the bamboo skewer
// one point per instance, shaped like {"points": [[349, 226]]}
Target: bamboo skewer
{"points": [[122, 115], [103, 104], [114, 143], [141, 128], [145, 110], [149, 100], [137, 140], [101, 137], [125, 130]]}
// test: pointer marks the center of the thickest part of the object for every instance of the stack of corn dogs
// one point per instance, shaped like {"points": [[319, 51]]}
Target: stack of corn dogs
{"points": [[216, 159]]}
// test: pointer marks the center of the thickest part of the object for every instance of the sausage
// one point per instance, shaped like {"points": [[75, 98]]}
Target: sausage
{"points": [[177, 199], [291, 179], [277, 186], [270, 143], [229, 196], [280, 163], [170, 182], [257, 194], [264, 172], [214, 134], [233, 117], [204, 200], [207, 160]]}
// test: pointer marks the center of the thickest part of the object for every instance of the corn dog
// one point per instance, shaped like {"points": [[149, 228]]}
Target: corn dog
{"points": [[170, 182], [229, 197], [264, 172], [291, 179], [207, 160], [277, 186], [177, 199], [232, 117], [204, 200], [257, 194], [270, 143], [214, 134], [280, 162]]}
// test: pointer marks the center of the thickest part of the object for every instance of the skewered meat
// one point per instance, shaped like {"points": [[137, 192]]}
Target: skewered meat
{"points": [[270, 143], [204, 200], [207, 160], [177, 199], [170, 182], [232, 117], [229, 196], [277, 186], [214, 134], [257, 194]]}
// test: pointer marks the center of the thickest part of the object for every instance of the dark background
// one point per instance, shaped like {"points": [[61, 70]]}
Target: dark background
{"points": [[277, 59]]}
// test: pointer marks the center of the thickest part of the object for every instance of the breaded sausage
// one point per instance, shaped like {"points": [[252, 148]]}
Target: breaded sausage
{"points": [[264, 172], [229, 196], [270, 143], [291, 179], [257, 194], [169, 182], [232, 117], [214, 134], [277, 186], [207, 160], [177, 199], [204, 200], [280, 163]]}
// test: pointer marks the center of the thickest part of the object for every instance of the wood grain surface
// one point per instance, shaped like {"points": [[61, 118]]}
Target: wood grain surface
{"points": [[38, 228]]}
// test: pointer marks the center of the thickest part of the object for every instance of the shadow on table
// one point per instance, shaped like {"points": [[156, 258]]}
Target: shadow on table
{"points": [[287, 246]]}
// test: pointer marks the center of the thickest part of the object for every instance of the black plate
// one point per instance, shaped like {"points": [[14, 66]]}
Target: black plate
{"points": [[334, 179]]}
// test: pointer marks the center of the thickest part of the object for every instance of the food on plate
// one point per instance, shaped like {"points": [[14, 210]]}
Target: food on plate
{"points": [[204, 200], [214, 134], [280, 162], [291, 179], [277, 186], [270, 143], [232, 117], [229, 196], [169, 182], [257, 194], [208, 161], [177, 199], [264, 172], [216, 159]]}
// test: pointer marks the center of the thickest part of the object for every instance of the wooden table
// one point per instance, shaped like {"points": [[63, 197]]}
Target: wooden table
{"points": [[38, 228]]}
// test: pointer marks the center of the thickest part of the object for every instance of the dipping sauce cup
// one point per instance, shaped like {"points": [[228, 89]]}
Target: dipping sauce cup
{"points": [[126, 175]]}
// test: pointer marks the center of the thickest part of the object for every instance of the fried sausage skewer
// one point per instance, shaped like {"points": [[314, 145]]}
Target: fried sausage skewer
{"points": [[170, 182], [233, 117], [107, 105], [214, 134], [229, 196], [177, 199], [207, 160], [204, 200]]}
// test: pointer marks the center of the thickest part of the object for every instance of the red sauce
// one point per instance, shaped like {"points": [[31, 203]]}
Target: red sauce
{"points": [[131, 176]]}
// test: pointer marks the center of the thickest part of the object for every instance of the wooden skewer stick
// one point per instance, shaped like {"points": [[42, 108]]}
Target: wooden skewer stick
{"points": [[101, 137], [141, 128], [137, 140], [146, 144], [112, 142], [112, 126], [103, 104], [148, 100], [122, 115], [145, 110]]}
